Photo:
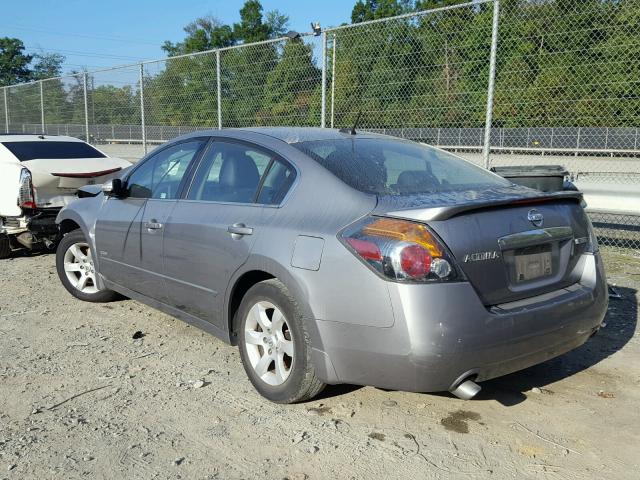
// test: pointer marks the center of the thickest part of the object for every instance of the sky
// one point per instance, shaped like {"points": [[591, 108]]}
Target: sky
{"points": [[98, 34]]}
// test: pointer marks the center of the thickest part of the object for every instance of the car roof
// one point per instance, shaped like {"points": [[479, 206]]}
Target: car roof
{"points": [[31, 137], [308, 134], [287, 134]]}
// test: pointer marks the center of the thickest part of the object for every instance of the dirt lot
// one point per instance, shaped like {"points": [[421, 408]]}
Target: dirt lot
{"points": [[79, 398]]}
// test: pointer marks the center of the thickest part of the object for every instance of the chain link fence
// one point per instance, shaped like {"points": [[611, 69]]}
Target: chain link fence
{"points": [[515, 82]]}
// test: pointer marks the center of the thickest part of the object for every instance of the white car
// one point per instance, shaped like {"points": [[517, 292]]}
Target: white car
{"points": [[40, 174]]}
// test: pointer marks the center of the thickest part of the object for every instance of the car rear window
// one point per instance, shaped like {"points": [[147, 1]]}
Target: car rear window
{"points": [[385, 166], [51, 150]]}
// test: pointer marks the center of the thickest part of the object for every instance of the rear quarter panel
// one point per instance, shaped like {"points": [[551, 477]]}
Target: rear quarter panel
{"points": [[342, 289]]}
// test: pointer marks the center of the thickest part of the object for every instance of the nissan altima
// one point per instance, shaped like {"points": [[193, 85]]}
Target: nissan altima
{"points": [[333, 256]]}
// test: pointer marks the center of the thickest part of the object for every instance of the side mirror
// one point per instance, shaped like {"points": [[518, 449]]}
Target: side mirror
{"points": [[113, 188]]}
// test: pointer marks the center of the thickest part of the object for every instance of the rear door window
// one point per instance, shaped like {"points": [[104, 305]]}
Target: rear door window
{"points": [[232, 172], [386, 166], [43, 149], [277, 183]]}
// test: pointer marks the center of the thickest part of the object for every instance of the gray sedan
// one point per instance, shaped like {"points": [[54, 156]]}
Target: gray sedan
{"points": [[341, 257]]}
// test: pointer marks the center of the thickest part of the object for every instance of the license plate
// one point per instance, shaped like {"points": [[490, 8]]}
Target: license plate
{"points": [[532, 266]]}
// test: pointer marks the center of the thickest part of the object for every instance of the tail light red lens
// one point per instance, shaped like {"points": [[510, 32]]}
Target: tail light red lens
{"points": [[367, 250], [26, 193], [415, 261], [400, 250]]}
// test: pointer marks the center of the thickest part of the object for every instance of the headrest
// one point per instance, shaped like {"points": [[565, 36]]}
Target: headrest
{"points": [[238, 170]]}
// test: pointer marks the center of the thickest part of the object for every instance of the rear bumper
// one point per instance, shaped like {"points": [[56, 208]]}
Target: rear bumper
{"points": [[443, 333], [38, 222]]}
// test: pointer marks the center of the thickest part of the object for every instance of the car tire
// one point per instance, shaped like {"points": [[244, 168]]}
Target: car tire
{"points": [[75, 266], [274, 344], [5, 247]]}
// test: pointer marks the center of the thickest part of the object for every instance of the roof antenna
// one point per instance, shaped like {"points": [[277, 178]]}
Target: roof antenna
{"points": [[352, 130]]}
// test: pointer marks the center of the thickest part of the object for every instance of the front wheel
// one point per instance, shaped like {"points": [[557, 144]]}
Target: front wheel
{"points": [[274, 345], [76, 269]]}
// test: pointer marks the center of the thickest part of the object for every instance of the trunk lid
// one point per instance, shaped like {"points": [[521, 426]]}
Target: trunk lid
{"points": [[57, 180], [510, 242]]}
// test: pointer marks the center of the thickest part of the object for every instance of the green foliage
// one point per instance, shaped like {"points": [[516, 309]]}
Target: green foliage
{"points": [[365, 10], [290, 86], [47, 65], [251, 27], [204, 33], [14, 63], [559, 63]]}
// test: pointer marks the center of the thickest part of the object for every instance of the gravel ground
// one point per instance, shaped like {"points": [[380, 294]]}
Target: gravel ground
{"points": [[80, 398]]}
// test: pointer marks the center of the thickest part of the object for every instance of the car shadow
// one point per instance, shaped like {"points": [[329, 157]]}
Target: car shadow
{"points": [[27, 254], [333, 391], [621, 319]]}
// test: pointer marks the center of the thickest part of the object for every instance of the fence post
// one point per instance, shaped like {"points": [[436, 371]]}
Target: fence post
{"points": [[486, 148], [6, 110], [333, 77], [142, 122], [86, 106], [218, 84], [323, 107], [42, 105]]}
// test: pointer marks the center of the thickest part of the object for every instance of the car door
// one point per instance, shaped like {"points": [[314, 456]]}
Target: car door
{"points": [[129, 230], [212, 229]]}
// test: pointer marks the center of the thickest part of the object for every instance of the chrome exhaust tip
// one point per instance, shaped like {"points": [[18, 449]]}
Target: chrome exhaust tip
{"points": [[466, 390]]}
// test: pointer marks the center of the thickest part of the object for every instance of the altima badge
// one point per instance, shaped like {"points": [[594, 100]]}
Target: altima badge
{"points": [[535, 217], [481, 256]]}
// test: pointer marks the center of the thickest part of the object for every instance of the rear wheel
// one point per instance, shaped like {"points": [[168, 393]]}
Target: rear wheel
{"points": [[5, 248], [274, 345], [76, 269]]}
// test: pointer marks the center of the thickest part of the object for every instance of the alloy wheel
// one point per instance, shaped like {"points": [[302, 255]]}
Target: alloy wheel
{"points": [[79, 268], [269, 343]]}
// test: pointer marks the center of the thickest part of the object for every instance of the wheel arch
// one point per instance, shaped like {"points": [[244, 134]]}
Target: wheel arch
{"points": [[69, 220], [68, 225], [258, 269]]}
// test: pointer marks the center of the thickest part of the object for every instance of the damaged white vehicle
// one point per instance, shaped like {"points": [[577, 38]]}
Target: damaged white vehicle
{"points": [[40, 174]]}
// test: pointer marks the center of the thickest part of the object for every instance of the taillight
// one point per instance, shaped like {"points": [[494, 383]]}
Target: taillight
{"points": [[400, 250], [26, 194]]}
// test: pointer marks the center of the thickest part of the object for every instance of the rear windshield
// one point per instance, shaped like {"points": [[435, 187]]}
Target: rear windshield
{"points": [[384, 166], [51, 150]]}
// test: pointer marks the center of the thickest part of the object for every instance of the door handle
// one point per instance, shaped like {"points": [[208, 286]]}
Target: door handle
{"points": [[239, 229], [153, 225]]}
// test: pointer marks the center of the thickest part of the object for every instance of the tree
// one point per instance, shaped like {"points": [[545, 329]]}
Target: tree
{"points": [[14, 63], [290, 87], [277, 23], [47, 65], [204, 33], [251, 27], [375, 9]]}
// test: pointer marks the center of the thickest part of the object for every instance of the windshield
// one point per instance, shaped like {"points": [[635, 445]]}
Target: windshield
{"points": [[25, 151], [385, 166]]}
